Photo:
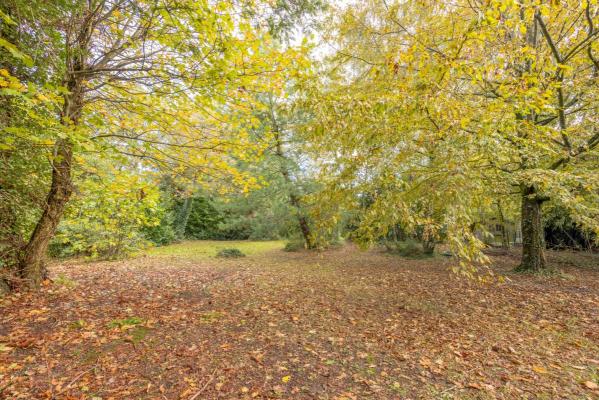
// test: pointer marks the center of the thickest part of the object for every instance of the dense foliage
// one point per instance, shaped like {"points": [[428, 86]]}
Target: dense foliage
{"points": [[450, 108]]}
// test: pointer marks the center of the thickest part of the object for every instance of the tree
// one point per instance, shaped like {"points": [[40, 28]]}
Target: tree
{"points": [[538, 87], [503, 93], [279, 119]]}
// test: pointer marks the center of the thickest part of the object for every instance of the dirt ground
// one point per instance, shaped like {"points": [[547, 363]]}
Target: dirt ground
{"points": [[341, 324]]}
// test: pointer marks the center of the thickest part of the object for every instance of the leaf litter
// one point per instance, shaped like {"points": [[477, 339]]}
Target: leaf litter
{"points": [[340, 324]]}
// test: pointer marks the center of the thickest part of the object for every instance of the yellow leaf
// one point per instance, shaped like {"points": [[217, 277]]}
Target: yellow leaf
{"points": [[591, 385], [539, 369], [4, 347], [286, 378]]}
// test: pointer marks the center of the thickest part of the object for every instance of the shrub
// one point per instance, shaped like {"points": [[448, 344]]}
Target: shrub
{"points": [[162, 233], [230, 253], [408, 248], [294, 245]]}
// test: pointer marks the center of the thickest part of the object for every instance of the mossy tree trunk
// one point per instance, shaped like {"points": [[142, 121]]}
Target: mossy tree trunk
{"points": [[303, 222], [32, 266]]}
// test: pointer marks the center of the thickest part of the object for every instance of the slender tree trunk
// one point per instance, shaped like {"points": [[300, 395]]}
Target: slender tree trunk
{"points": [[184, 217], [505, 240], [533, 243], [303, 222]]}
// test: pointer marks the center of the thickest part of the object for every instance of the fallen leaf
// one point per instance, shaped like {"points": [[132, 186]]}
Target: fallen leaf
{"points": [[4, 347], [539, 369]]}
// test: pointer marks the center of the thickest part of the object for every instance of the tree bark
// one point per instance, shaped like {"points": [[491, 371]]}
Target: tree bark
{"points": [[303, 221], [32, 267], [533, 243]]}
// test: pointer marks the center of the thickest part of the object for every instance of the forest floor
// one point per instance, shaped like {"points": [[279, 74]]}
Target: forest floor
{"points": [[341, 324]]}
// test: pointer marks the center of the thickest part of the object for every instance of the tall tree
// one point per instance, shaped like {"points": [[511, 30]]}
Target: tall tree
{"points": [[504, 93], [283, 135]]}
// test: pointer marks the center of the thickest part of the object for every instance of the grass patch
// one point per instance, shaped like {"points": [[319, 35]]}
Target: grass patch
{"points": [[79, 324], [138, 334], [210, 316], [548, 271], [204, 249], [409, 249], [125, 323]]}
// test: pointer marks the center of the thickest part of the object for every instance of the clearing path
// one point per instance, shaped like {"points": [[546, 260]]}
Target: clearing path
{"points": [[341, 324]]}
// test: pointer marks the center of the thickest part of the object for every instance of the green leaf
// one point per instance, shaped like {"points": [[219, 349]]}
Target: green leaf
{"points": [[15, 52]]}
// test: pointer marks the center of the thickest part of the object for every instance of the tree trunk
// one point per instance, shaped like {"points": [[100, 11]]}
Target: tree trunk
{"points": [[303, 222], [533, 243], [505, 240], [184, 217], [32, 266], [428, 247]]}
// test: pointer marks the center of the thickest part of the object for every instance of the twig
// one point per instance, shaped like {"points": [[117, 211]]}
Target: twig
{"points": [[205, 385], [75, 379]]}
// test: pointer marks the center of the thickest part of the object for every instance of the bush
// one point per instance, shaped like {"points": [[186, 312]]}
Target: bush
{"points": [[409, 248], [230, 253], [294, 245]]}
